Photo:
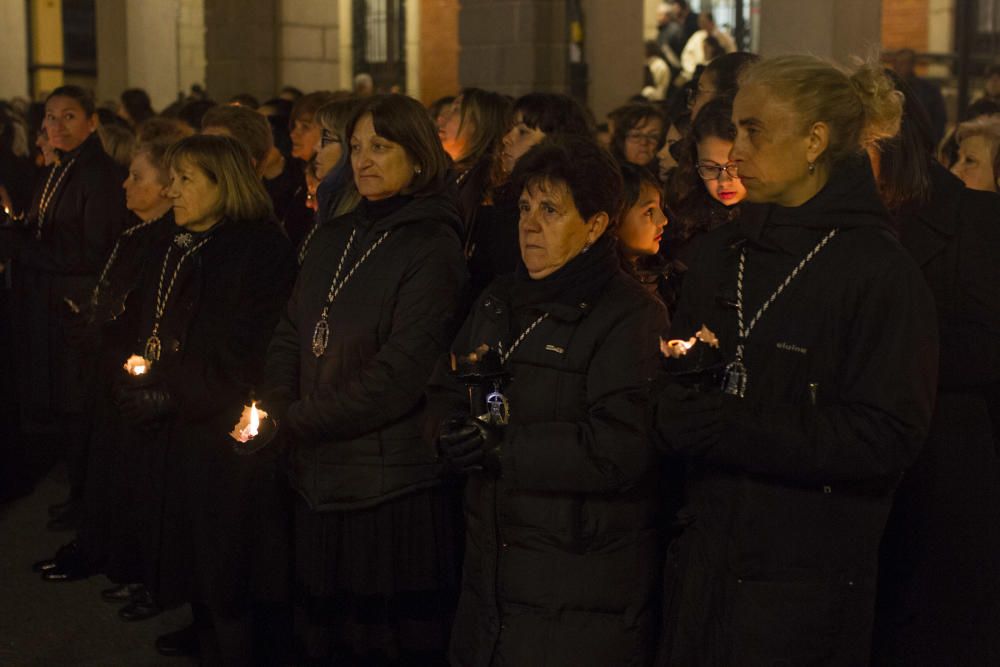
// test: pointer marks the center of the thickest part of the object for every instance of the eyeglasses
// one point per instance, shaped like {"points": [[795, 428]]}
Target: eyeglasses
{"points": [[711, 172], [327, 138], [633, 135]]}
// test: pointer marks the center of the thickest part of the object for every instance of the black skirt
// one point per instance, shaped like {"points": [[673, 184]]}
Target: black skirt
{"points": [[379, 585]]}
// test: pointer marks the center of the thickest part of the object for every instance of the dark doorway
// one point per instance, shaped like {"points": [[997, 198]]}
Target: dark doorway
{"points": [[379, 41]]}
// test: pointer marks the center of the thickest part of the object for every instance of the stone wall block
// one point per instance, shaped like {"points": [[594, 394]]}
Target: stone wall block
{"points": [[309, 12], [299, 43], [309, 75]]}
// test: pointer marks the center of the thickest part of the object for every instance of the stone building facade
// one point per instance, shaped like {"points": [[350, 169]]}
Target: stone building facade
{"points": [[513, 46]]}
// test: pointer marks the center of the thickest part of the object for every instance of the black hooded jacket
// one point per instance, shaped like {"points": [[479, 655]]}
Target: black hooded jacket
{"points": [[355, 413], [785, 506], [561, 550]]}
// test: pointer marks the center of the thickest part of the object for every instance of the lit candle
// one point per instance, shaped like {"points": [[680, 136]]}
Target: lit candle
{"points": [[136, 366], [677, 348], [249, 425]]}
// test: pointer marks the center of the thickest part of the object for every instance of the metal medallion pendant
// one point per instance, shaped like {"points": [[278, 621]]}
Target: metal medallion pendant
{"points": [[498, 406], [321, 336], [735, 381], [153, 348]]}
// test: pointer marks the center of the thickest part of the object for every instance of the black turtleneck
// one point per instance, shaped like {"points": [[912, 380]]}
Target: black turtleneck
{"points": [[379, 209]]}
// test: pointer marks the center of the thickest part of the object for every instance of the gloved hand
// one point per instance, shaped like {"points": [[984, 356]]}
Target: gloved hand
{"points": [[146, 406], [686, 421], [468, 444]]}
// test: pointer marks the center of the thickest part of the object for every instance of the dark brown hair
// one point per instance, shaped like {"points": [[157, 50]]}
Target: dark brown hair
{"points": [[403, 120], [592, 176], [81, 96]]}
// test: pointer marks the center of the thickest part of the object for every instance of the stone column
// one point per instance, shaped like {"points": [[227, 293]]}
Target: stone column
{"points": [[614, 51], [14, 72], [513, 46], [834, 29], [240, 47], [310, 44], [111, 33], [438, 49]]}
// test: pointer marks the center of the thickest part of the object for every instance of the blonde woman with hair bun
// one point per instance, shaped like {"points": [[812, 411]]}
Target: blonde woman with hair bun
{"points": [[828, 346]]}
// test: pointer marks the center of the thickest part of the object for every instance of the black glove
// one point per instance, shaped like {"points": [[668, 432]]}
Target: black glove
{"points": [[146, 406], [469, 444], [687, 422]]}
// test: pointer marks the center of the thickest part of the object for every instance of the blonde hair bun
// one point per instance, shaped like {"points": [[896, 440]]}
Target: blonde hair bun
{"points": [[860, 107]]}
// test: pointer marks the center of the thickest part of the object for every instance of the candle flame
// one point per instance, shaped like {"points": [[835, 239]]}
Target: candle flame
{"points": [[674, 349], [254, 426], [136, 365], [249, 425]]}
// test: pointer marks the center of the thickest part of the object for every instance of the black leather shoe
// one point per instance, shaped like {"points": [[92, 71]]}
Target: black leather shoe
{"points": [[66, 554], [140, 608], [40, 566], [69, 571], [178, 643], [118, 594]]}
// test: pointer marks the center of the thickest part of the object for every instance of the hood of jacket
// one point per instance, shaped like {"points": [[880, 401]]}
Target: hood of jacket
{"points": [[438, 208]]}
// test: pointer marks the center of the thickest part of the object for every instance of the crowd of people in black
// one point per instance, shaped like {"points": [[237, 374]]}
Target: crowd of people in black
{"points": [[716, 382]]}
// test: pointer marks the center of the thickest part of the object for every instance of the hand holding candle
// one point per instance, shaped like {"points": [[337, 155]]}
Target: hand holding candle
{"points": [[676, 348]]}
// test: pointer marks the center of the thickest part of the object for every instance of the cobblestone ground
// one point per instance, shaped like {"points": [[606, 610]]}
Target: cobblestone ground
{"points": [[56, 624]]}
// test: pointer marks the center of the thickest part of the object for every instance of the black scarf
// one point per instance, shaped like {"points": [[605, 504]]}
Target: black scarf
{"points": [[580, 280]]}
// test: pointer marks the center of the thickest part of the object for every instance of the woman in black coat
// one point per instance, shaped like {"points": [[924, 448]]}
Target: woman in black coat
{"points": [[77, 213], [376, 532], [939, 575], [207, 303], [828, 337], [562, 539], [107, 540]]}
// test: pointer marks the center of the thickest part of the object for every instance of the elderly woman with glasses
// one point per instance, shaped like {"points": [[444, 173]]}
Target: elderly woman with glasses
{"points": [[638, 134]]}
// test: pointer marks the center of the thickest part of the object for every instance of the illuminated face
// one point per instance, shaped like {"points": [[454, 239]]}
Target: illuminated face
{"points": [[455, 135], [641, 141], [770, 151], [975, 164], [713, 156], [195, 197], [551, 230], [305, 134], [642, 227], [518, 141], [66, 123], [144, 192], [382, 168]]}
